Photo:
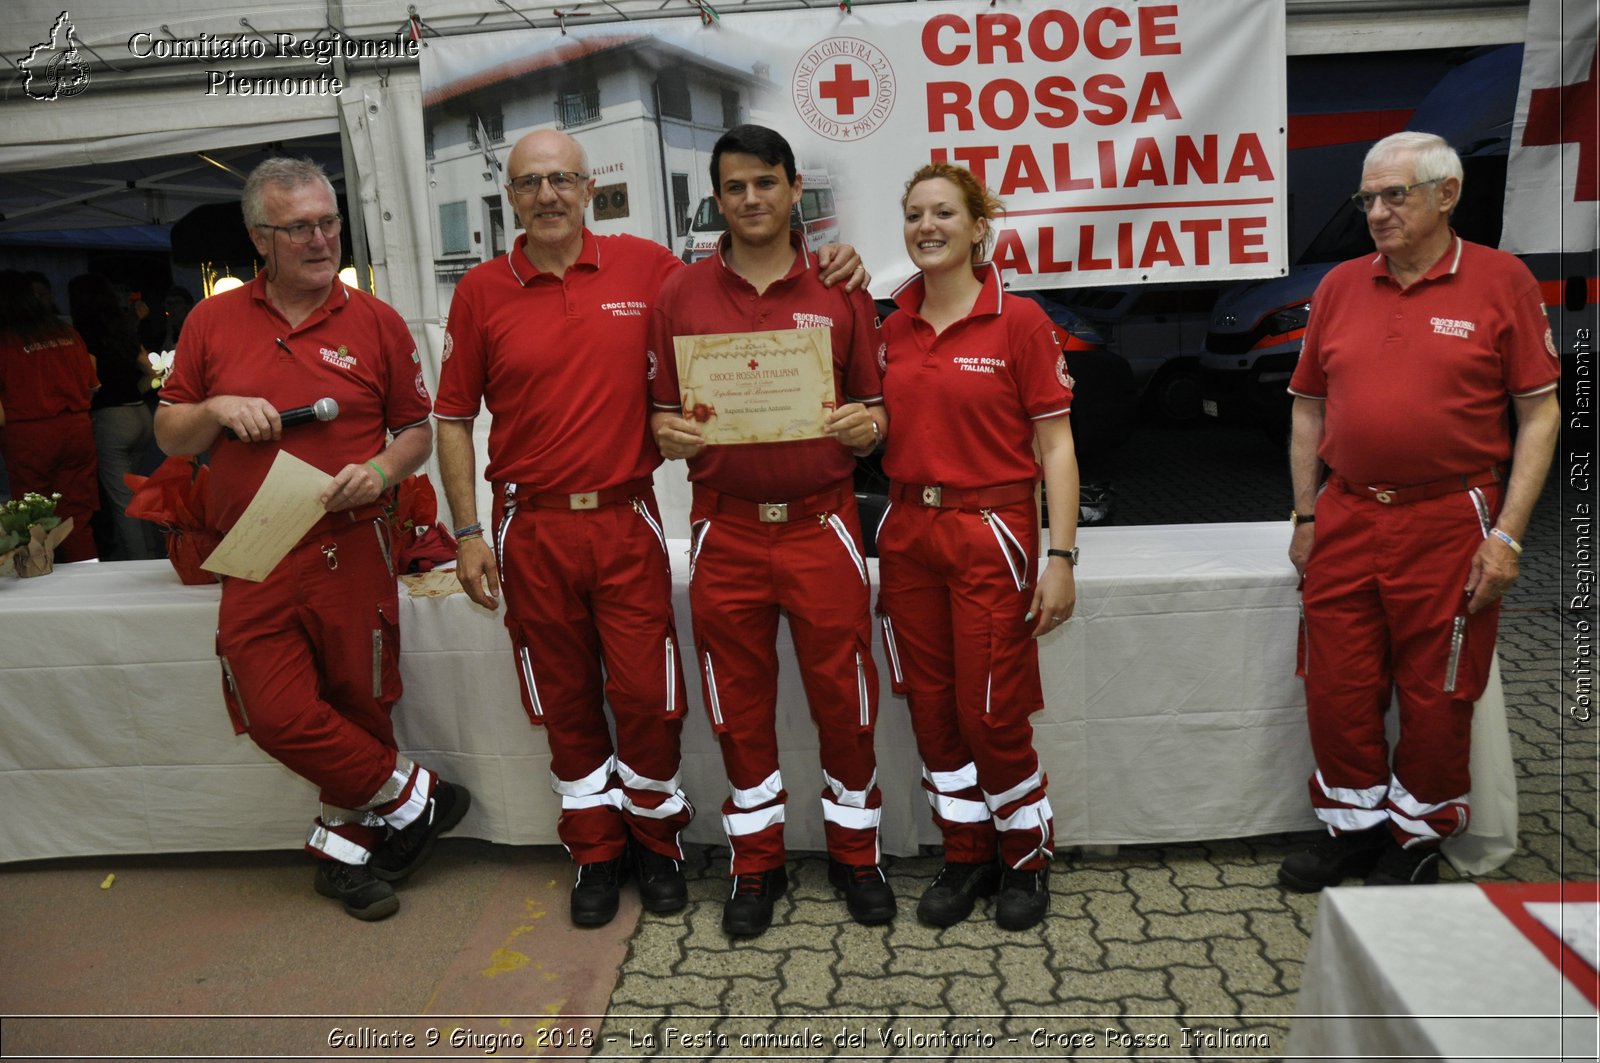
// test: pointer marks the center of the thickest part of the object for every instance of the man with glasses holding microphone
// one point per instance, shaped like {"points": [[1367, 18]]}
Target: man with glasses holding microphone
{"points": [[550, 337], [1414, 359], [310, 655]]}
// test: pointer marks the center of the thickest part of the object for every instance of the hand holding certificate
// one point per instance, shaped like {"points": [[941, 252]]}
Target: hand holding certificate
{"points": [[757, 387]]}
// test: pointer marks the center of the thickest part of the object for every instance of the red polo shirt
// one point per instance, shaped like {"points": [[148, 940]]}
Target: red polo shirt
{"points": [[353, 349], [963, 403], [45, 377], [560, 363], [1416, 380], [709, 298]]}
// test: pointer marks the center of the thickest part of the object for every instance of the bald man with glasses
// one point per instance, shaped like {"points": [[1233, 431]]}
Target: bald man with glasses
{"points": [[1411, 499], [550, 337]]}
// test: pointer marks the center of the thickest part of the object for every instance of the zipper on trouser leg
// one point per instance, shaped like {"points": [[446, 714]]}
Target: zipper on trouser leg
{"points": [[233, 688], [713, 702], [1458, 634], [671, 676], [892, 651]]}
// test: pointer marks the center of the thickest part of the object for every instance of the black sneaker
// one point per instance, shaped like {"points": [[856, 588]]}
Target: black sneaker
{"points": [[749, 908], [1333, 858], [406, 849], [1415, 866], [594, 892], [661, 885], [866, 891], [364, 896], [1024, 898], [956, 890]]}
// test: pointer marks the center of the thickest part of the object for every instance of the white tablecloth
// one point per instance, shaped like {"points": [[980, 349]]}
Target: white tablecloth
{"points": [[1433, 972], [1173, 714]]}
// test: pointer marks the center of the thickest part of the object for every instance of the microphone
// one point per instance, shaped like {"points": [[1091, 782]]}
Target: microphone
{"points": [[321, 410]]}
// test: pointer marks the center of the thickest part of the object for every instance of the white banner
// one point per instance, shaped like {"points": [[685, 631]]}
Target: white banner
{"points": [[1553, 174], [1129, 141]]}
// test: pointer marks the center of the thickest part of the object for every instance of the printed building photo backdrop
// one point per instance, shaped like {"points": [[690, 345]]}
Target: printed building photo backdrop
{"points": [[1129, 141]]}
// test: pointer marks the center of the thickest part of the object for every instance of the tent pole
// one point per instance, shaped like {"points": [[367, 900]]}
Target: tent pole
{"points": [[352, 175]]}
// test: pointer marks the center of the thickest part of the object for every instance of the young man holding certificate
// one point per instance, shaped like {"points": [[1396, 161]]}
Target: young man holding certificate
{"points": [[768, 384]]}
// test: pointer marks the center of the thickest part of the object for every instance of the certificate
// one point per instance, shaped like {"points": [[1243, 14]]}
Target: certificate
{"points": [[287, 504], [757, 387]]}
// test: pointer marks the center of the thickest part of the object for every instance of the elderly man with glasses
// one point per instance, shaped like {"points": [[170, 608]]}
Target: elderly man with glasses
{"points": [[1414, 360], [310, 655], [550, 337]]}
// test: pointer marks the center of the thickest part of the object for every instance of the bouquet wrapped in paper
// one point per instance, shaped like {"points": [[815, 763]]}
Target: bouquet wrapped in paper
{"points": [[421, 542], [30, 531], [174, 498]]}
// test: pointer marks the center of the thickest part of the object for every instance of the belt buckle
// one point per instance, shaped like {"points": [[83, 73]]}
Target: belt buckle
{"points": [[1386, 497], [774, 512], [932, 495], [584, 500]]}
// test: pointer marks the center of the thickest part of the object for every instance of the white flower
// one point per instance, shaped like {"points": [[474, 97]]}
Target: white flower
{"points": [[161, 365]]}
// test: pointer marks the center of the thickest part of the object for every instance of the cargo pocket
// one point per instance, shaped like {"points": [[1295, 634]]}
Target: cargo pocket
{"points": [[231, 697], [643, 511], [849, 542], [1016, 557]]}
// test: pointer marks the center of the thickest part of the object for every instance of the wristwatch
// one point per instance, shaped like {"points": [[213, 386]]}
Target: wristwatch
{"points": [[1296, 519], [1070, 555]]}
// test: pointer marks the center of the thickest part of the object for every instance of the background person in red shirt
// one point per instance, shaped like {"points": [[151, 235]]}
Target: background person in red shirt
{"points": [[774, 530], [310, 655], [1414, 359], [974, 380], [47, 379]]}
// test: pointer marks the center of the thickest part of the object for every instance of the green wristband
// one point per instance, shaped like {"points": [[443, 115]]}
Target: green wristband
{"points": [[379, 469]]}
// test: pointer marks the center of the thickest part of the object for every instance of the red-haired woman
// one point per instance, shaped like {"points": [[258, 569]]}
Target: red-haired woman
{"points": [[978, 394]]}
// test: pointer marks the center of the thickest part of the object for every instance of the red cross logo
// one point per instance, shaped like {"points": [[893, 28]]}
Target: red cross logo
{"points": [[844, 90], [1568, 115], [753, 364]]}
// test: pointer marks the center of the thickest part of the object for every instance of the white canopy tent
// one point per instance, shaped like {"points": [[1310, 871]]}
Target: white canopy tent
{"points": [[143, 142]]}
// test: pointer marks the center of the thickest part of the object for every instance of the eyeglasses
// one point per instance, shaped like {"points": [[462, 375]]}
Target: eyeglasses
{"points": [[562, 181], [1393, 196], [300, 232]]}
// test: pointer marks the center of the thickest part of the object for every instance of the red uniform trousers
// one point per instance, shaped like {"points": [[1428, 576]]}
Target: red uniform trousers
{"points": [[1385, 610], [588, 596], [311, 671], [956, 586], [56, 455], [743, 573]]}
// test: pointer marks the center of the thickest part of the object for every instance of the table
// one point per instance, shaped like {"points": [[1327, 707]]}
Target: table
{"points": [[1172, 714], [1442, 971]]}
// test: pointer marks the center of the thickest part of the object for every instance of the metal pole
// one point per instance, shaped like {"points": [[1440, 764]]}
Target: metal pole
{"points": [[352, 176]]}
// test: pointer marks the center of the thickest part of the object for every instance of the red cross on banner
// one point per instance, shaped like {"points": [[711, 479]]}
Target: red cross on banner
{"points": [[844, 90], [1553, 174]]}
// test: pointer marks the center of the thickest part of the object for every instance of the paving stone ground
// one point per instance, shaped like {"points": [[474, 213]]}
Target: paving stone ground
{"points": [[1140, 944]]}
